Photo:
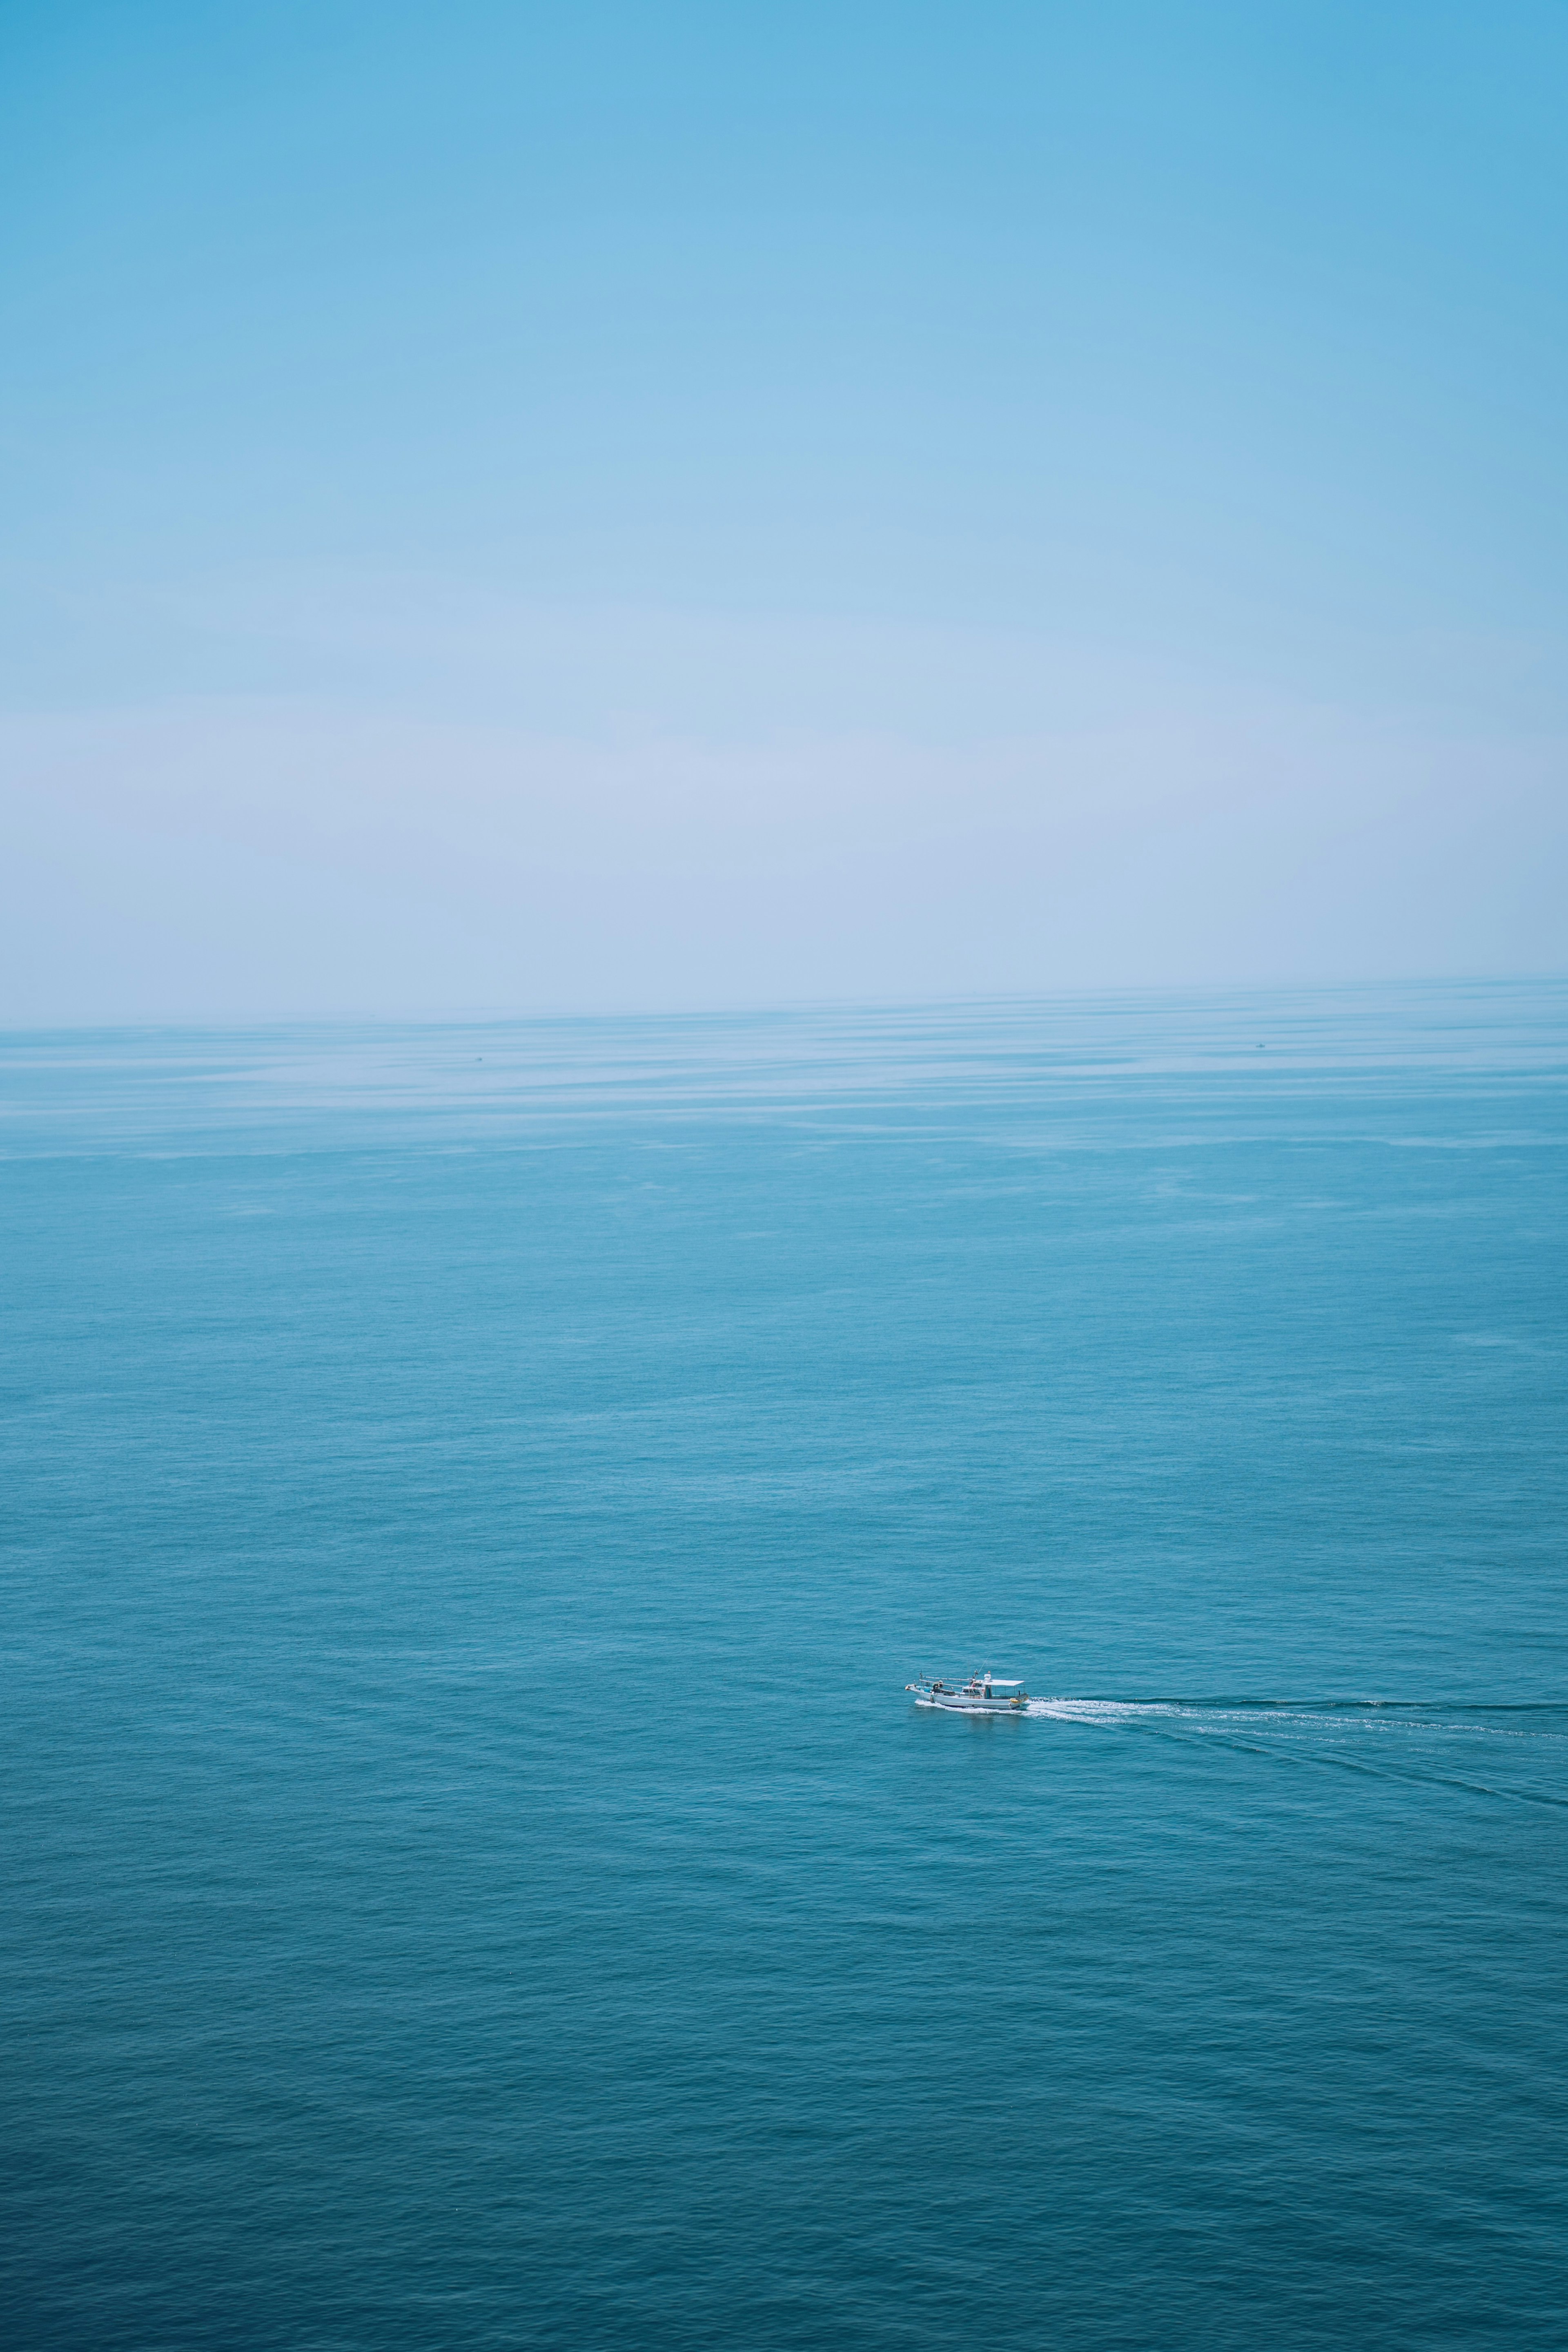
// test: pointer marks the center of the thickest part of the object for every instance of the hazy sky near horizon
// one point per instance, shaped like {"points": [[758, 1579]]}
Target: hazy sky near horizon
{"points": [[556, 507]]}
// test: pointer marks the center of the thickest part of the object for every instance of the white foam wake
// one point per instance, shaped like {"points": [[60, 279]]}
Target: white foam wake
{"points": [[1099, 1710]]}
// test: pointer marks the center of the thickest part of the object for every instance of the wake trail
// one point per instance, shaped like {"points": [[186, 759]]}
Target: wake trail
{"points": [[1185, 1721]]}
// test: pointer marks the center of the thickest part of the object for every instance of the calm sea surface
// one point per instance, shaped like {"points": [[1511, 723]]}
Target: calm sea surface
{"points": [[473, 1498]]}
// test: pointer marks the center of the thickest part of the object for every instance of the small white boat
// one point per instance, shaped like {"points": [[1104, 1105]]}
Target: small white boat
{"points": [[983, 1694]]}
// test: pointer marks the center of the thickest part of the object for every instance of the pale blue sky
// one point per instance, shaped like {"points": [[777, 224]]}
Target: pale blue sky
{"points": [[511, 506]]}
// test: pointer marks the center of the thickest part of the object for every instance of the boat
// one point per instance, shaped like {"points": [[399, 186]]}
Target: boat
{"points": [[983, 1694]]}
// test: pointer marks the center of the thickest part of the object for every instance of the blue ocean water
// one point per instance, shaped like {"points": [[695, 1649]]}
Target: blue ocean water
{"points": [[474, 1496]]}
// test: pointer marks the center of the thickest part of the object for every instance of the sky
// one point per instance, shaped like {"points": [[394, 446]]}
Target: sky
{"points": [[518, 508]]}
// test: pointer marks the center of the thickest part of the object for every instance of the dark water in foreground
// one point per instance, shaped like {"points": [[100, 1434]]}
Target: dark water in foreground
{"points": [[474, 1878]]}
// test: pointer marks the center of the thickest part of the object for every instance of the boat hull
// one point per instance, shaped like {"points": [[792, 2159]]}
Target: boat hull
{"points": [[976, 1705]]}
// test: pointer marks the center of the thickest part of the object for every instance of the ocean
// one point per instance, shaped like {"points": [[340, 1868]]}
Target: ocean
{"points": [[474, 1496]]}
